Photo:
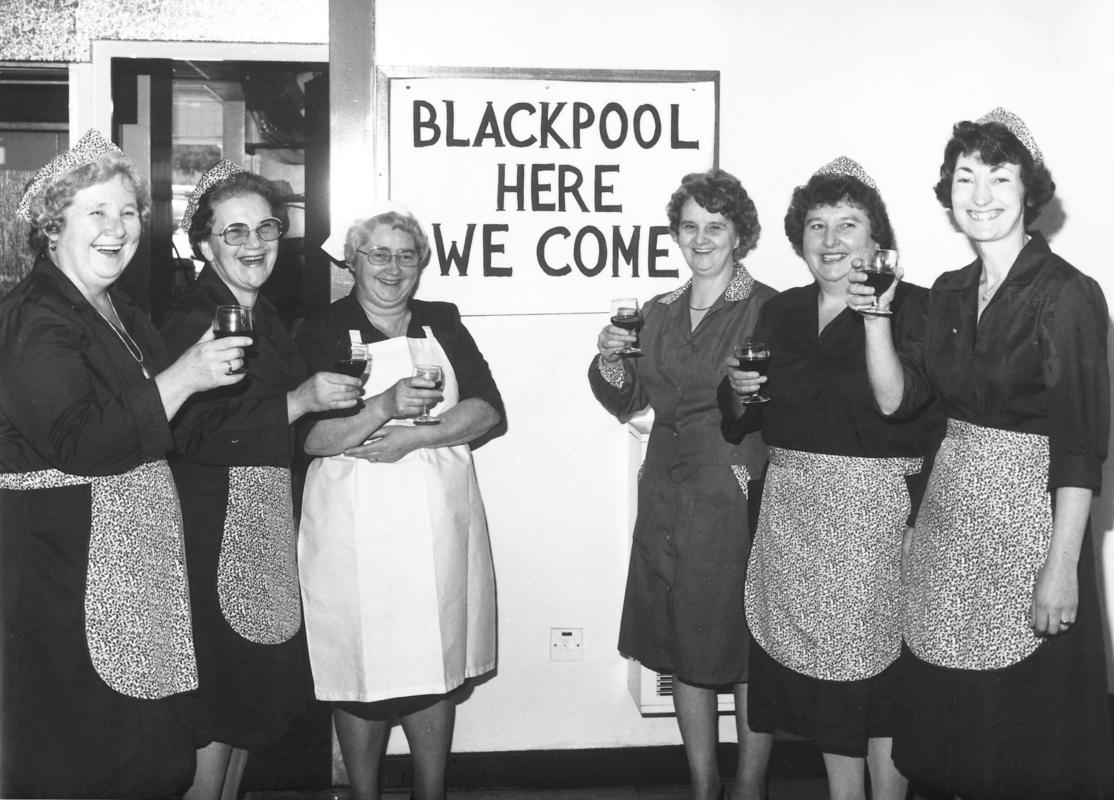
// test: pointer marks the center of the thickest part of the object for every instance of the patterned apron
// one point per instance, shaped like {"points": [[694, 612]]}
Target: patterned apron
{"points": [[982, 534], [823, 585], [257, 574], [397, 580], [137, 610]]}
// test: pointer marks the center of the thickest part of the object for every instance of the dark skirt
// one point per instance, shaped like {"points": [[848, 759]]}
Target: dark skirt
{"points": [[1037, 729], [839, 716], [683, 609], [63, 731], [249, 692]]}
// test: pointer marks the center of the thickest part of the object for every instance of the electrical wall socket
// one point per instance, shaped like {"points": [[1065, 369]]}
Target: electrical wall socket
{"points": [[566, 644]]}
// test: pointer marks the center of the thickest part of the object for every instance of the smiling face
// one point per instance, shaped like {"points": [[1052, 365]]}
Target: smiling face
{"points": [[244, 268], [988, 202], [99, 235], [385, 287], [833, 237], [707, 239]]}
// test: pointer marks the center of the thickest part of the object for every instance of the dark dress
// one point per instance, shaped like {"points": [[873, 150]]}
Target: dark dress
{"points": [[683, 610], [823, 591], [1034, 365], [233, 473], [73, 402]]}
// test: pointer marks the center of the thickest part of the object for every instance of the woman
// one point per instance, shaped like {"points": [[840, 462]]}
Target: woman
{"points": [[233, 476], [397, 580], [823, 584], [683, 612], [1005, 691], [97, 648]]}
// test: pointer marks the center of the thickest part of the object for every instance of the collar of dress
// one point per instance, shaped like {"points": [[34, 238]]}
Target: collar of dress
{"points": [[740, 287]]}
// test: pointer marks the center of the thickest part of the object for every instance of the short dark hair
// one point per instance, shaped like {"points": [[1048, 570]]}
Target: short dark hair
{"points": [[239, 185], [994, 144], [830, 190], [720, 193]]}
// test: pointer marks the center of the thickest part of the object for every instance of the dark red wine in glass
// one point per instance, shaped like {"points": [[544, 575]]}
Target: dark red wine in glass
{"points": [[879, 273], [351, 359], [625, 315], [233, 320], [753, 356]]}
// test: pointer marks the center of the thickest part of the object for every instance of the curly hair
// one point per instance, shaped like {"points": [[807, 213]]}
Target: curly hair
{"points": [[360, 232], [48, 208], [720, 193], [994, 144], [239, 185], [831, 190]]}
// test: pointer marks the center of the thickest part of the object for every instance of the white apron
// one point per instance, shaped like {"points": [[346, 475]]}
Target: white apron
{"points": [[397, 582]]}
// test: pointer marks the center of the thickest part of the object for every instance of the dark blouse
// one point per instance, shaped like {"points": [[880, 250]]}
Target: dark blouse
{"points": [[1034, 363], [245, 424], [821, 401], [319, 335], [679, 373], [71, 395]]}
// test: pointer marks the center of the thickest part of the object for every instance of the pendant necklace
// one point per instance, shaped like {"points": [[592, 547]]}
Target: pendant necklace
{"points": [[125, 337]]}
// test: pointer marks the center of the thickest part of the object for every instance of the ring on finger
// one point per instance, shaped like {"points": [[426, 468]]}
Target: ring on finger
{"points": [[227, 367]]}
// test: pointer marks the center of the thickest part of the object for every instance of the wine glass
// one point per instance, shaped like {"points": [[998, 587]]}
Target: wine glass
{"points": [[233, 320], [878, 268], [753, 356], [625, 315], [431, 372], [352, 358]]}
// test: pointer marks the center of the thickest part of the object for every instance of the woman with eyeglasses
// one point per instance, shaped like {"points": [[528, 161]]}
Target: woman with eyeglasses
{"points": [[396, 571], [234, 476]]}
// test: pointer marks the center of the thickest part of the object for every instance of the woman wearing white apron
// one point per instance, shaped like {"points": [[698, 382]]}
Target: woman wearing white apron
{"points": [[396, 572]]}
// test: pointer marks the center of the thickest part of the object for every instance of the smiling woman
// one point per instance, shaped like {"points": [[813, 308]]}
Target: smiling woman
{"points": [[233, 473], [823, 583], [1005, 679], [97, 650]]}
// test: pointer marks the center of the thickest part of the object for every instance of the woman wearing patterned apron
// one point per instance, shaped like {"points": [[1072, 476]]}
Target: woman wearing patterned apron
{"points": [[233, 475], [1005, 688], [823, 584], [396, 571], [683, 608], [97, 647]]}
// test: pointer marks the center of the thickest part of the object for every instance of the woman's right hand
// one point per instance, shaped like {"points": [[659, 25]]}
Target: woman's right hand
{"points": [[611, 340], [859, 295], [209, 363], [742, 382], [409, 397], [323, 391]]}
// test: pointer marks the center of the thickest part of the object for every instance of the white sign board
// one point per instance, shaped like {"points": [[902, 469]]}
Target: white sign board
{"points": [[547, 194]]}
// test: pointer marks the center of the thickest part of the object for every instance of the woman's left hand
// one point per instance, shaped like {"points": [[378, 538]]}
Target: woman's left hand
{"points": [[1055, 598], [387, 445]]}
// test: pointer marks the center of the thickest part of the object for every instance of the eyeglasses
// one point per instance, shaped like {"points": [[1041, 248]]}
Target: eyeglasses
{"points": [[238, 233], [378, 256]]}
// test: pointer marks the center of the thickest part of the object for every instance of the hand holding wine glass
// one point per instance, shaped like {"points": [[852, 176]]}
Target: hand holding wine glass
{"points": [[429, 372], [753, 356], [233, 320], [878, 269], [626, 316]]}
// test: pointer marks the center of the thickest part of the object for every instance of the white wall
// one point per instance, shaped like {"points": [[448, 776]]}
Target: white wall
{"points": [[801, 82]]}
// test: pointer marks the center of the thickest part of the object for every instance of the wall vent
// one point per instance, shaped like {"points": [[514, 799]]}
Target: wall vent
{"points": [[653, 691]]}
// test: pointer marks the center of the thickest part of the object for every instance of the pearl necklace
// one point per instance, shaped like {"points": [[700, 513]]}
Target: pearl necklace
{"points": [[125, 338]]}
